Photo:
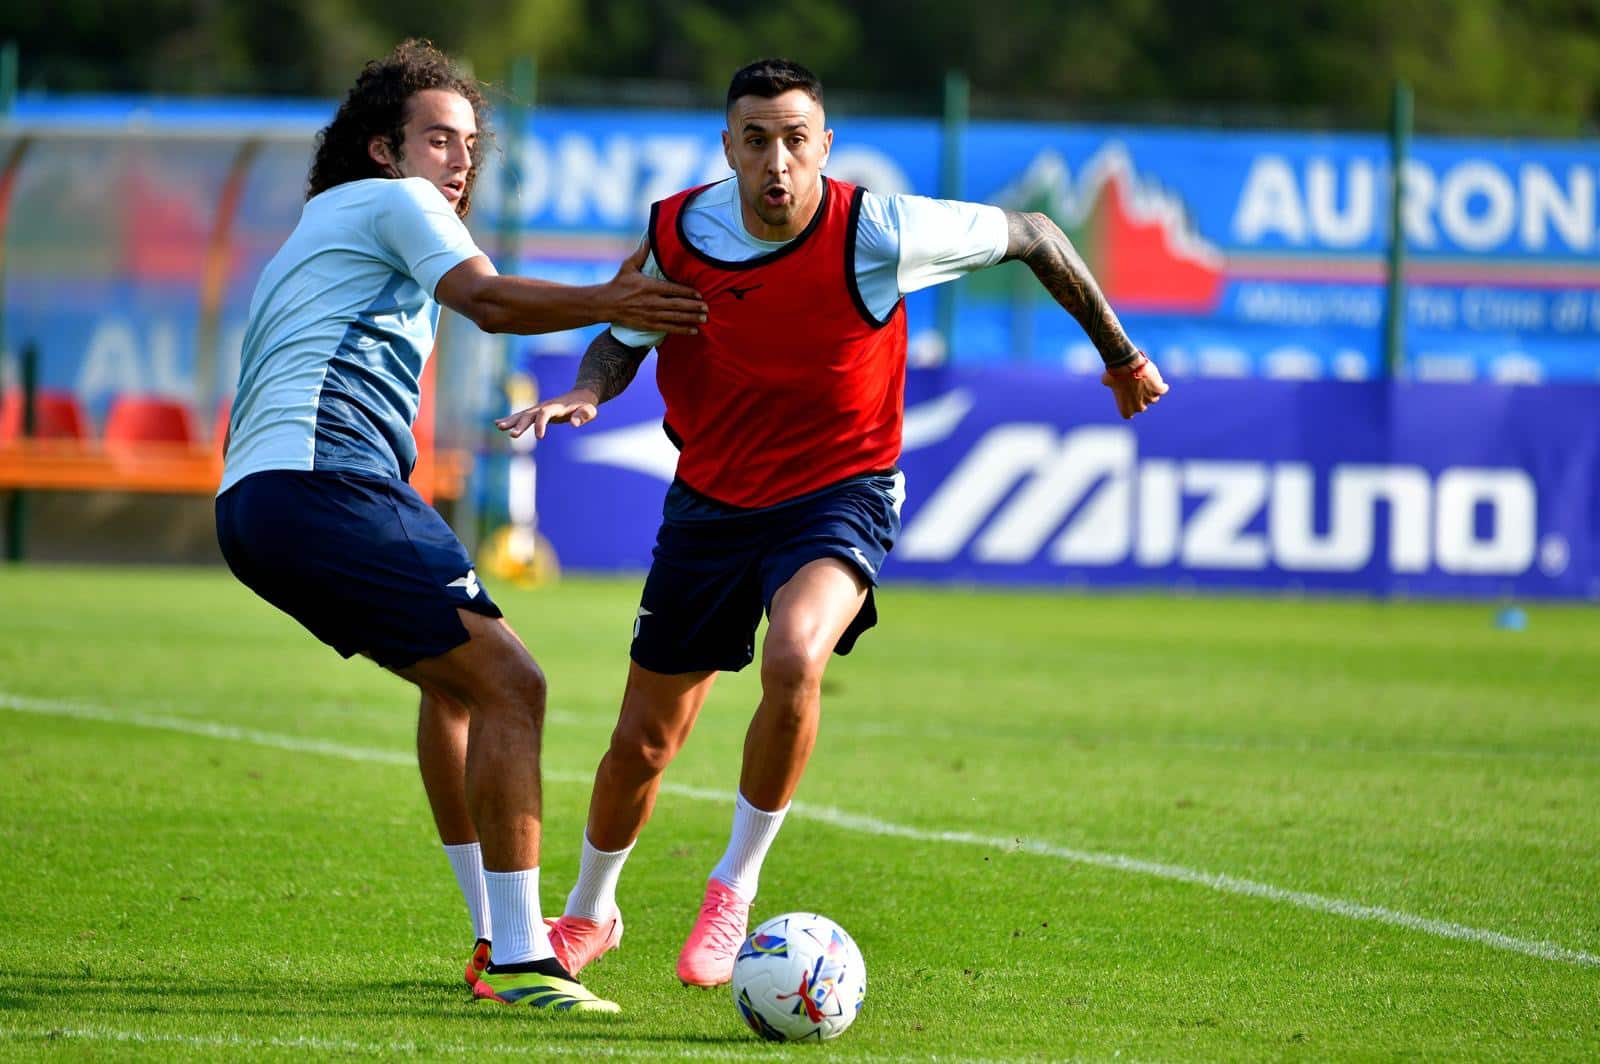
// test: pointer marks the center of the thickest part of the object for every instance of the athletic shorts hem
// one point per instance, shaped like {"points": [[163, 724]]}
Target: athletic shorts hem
{"points": [[715, 571], [363, 563]]}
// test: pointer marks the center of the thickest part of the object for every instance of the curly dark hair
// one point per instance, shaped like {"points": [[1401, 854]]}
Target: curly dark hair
{"points": [[378, 105]]}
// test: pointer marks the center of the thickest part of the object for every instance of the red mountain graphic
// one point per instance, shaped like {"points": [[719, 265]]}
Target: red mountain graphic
{"points": [[1135, 236]]}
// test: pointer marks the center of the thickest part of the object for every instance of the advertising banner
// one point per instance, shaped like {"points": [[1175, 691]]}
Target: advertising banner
{"points": [[1235, 254], [1228, 254], [1029, 478], [135, 229]]}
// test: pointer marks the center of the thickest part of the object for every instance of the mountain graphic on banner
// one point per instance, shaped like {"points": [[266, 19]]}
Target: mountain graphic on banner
{"points": [[1135, 236]]}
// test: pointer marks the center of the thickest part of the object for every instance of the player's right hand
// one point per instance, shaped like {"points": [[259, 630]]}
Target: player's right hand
{"points": [[575, 408], [650, 304]]}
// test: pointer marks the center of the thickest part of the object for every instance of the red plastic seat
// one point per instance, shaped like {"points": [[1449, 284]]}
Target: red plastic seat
{"points": [[56, 415], [149, 419]]}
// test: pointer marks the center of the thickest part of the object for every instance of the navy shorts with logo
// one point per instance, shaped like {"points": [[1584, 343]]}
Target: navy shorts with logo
{"points": [[363, 562], [716, 567]]}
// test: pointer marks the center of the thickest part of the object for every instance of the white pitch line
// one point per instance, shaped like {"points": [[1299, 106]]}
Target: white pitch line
{"points": [[867, 825], [541, 1048], [1226, 884]]}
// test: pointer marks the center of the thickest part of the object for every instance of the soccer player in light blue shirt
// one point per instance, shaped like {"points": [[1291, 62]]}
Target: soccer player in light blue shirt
{"points": [[314, 512]]}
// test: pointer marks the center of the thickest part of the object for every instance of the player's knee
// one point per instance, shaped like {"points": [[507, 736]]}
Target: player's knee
{"points": [[641, 749], [790, 672], [528, 687], [516, 688]]}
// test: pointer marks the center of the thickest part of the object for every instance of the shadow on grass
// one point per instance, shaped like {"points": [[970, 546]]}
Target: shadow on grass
{"points": [[304, 1003], [113, 995]]}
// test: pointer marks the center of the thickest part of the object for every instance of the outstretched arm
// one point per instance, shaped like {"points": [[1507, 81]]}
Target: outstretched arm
{"points": [[1037, 241], [500, 303], [608, 367]]}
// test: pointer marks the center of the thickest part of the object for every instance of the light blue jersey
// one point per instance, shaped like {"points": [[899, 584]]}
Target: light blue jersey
{"points": [[903, 244], [341, 323]]}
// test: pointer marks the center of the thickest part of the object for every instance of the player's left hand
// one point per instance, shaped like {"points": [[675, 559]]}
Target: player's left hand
{"points": [[575, 408], [1136, 386], [638, 301]]}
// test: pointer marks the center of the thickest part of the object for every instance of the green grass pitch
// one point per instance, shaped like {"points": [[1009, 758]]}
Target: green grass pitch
{"points": [[1059, 826]]}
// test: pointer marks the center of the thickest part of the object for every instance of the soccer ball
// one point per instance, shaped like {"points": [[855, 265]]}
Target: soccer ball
{"points": [[799, 976]]}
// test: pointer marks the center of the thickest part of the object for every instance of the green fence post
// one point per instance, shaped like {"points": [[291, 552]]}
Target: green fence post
{"points": [[17, 505], [522, 90], [1394, 341], [957, 112], [9, 63]]}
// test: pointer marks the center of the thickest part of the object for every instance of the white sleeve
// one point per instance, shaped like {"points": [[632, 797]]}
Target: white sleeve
{"points": [[939, 240], [419, 227], [635, 337]]}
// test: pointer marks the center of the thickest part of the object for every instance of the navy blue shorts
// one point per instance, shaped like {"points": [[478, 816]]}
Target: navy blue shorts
{"points": [[362, 562], [717, 567]]}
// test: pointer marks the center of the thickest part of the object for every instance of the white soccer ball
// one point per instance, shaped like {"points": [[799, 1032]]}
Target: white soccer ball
{"points": [[799, 976]]}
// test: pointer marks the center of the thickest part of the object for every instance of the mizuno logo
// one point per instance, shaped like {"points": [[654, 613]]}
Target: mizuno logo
{"points": [[740, 293], [468, 583], [862, 558], [1086, 497], [638, 618]]}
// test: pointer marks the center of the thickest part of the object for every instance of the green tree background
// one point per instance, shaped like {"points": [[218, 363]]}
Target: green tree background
{"points": [[1532, 65]]}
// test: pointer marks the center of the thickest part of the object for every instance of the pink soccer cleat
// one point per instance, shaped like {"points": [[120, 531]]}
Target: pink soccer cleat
{"points": [[579, 941], [707, 958], [478, 961]]}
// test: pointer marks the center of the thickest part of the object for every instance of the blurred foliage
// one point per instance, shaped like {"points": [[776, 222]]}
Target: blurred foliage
{"points": [[1488, 61]]}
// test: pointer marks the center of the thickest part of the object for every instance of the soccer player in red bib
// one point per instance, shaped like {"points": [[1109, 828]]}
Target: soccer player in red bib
{"points": [[786, 408]]}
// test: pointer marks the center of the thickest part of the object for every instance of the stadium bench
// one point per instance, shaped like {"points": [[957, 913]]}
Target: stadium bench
{"points": [[56, 415], [169, 468], [135, 420], [149, 445]]}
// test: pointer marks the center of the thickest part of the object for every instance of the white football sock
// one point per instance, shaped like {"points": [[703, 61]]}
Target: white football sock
{"points": [[466, 860], [594, 896], [753, 832], [519, 933]]}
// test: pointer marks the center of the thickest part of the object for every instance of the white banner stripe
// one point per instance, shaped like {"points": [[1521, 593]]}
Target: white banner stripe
{"points": [[867, 825]]}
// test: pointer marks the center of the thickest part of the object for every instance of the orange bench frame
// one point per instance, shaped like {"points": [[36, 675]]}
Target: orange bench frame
{"points": [[173, 469]]}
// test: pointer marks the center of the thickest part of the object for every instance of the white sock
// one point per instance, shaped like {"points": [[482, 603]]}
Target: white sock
{"points": [[466, 860], [753, 832], [594, 896], [519, 933]]}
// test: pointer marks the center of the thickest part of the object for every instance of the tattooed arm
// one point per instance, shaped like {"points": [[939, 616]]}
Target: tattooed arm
{"points": [[1039, 242], [608, 367]]}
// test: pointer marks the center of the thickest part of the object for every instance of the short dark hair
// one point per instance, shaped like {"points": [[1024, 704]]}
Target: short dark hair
{"points": [[379, 104], [768, 78]]}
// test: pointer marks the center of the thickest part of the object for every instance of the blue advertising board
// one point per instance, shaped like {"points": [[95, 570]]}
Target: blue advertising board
{"points": [[1228, 254], [1025, 477]]}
